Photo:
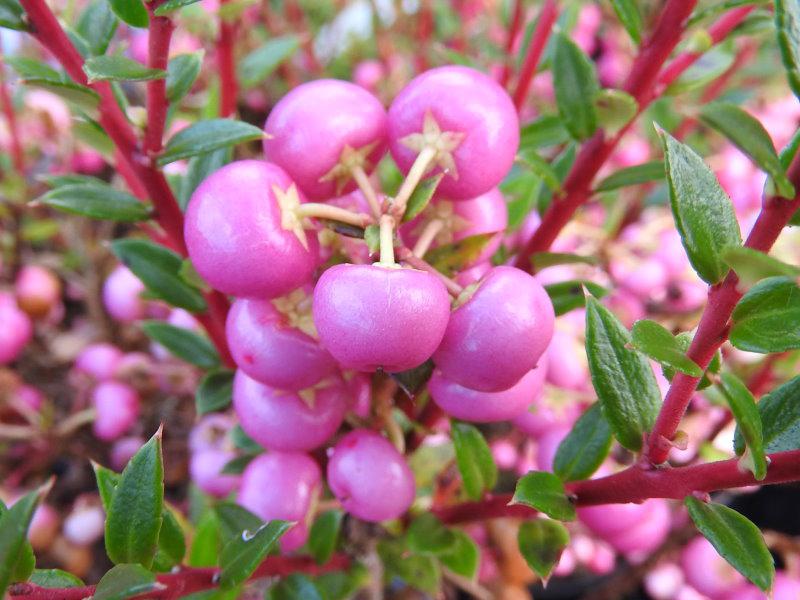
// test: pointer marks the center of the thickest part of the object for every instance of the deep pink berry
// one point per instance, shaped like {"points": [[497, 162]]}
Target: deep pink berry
{"points": [[290, 421], [499, 333], [122, 295], [117, 408], [320, 127], [38, 290], [282, 485], [377, 317], [99, 361], [16, 329], [242, 235], [274, 348], [486, 407], [370, 477], [474, 110]]}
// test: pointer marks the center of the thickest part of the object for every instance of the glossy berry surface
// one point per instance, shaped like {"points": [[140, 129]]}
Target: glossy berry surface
{"points": [[370, 477], [499, 333], [282, 485], [373, 317], [486, 407], [122, 295], [238, 236], [314, 124], [463, 101], [281, 420]]}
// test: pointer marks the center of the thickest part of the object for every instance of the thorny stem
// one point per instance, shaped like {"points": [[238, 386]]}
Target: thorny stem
{"points": [[415, 175], [365, 185], [387, 240], [541, 34], [427, 237]]}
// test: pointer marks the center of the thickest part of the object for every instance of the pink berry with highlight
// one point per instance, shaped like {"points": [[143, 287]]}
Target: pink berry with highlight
{"points": [[38, 290], [16, 329], [122, 295], [99, 361], [117, 407]]}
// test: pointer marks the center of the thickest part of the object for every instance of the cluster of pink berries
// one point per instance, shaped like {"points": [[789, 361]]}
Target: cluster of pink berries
{"points": [[303, 332]]}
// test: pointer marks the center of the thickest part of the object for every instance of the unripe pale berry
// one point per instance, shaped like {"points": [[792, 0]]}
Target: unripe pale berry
{"points": [[37, 290], [707, 571], [373, 317], [99, 361], [273, 348], [289, 421], [85, 524], [16, 329], [370, 477], [318, 128], [486, 407], [205, 469], [282, 485], [242, 235], [499, 333], [117, 406], [122, 295], [474, 110]]}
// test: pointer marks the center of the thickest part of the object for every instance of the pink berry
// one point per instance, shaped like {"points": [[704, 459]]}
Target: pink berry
{"points": [[123, 450], [707, 571], [99, 361], [211, 433], [282, 485], [566, 366], [44, 527], [205, 468], [85, 524], [370, 477], [242, 235], [320, 128], [548, 446], [486, 407], [477, 115], [642, 537], [664, 581], [273, 348], [373, 317], [368, 74], [38, 290], [289, 421], [28, 398], [122, 295], [16, 329], [117, 406], [498, 335], [360, 393]]}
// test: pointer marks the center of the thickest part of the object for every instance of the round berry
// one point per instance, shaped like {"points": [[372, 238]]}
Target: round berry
{"points": [[282, 485], [37, 289], [707, 571], [122, 295], [373, 317], [205, 468], [275, 348], [467, 117], [486, 407], [117, 408], [281, 420], [370, 477], [242, 234], [99, 361], [320, 130], [499, 333], [16, 329]]}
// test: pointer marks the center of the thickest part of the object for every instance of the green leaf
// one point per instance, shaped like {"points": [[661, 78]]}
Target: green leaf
{"points": [[107, 481], [427, 535], [736, 539], [569, 295], [324, 536], [655, 341], [294, 587], [236, 466], [765, 320], [787, 24], [171, 5], [780, 419], [749, 135], [97, 25], [123, 582], [449, 258], [630, 17], [585, 447], [575, 83], [748, 421], [28, 68], [542, 260], [541, 542], [119, 68], [206, 541], [54, 578], [463, 556], [96, 201], [182, 71], [543, 132], [241, 554], [187, 345], [12, 15], [201, 167], [131, 12], [615, 109], [417, 570], [234, 519], [159, 269], [261, 62], [421, 196], [474, 459], [684, 340], [134, 517], [706, 69], [81, 96], [16, 555], [562, 164], [207, 136], [171, 541], [214, 392], [703, 212], [372, 237], [624, 382], [751, 266], [545, 492], [635, 175]]}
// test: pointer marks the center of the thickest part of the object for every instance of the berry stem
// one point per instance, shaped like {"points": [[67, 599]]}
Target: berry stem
{"points": [[408, 256], [365, 185], [317, 210], [410, 183], [229, 86], [161, 29], [387, 240], [426, 238], [547, 18]]}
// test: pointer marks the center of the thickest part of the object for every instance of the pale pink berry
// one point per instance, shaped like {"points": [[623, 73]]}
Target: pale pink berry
{"points": [[205, 469], [122, 295], [370, 477], [567, 367], [368, 74], [548, 446], [123, 450], [707, 571], [85, 524], [16, 329], [664, 581], [99, 361], [44, 527], [37, 289], [117, 407]]}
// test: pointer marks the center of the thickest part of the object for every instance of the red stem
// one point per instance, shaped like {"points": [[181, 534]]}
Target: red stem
{"points": [[188, 580], [541, 34], [636, 484], [161, 29], [17, 153], [229, 86], [513, 31]]}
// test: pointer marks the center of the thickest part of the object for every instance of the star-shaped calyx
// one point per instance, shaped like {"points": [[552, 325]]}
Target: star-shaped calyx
{"points": [[349, 160], [296, 309], [288, 202], [444, 143], [444, 211]]}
